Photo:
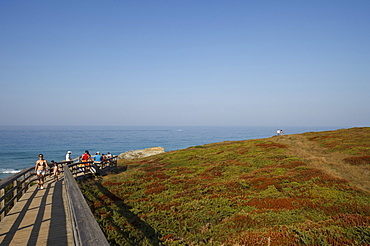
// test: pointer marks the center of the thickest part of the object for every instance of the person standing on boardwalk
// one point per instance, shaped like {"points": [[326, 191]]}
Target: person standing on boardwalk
{"points": [[85, 158], [56, 170], [68, 156], [109, 155], [98, 159], [40, 169]]}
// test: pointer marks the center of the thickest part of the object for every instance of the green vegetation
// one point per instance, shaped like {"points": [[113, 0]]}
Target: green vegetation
{"points": [[254, 192]]}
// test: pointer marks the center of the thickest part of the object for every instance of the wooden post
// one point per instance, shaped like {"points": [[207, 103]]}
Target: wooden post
{"points": [[23, 184], [15, 185], [2, 203], [29, 174]]}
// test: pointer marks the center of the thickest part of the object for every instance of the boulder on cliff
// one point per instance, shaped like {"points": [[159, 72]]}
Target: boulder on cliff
{"points": [[134, 154]]}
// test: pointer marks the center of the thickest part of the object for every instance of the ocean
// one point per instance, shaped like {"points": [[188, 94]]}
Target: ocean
{"points": [[20, 145]]}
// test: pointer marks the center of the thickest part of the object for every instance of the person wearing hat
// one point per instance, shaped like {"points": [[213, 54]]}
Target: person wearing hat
{"points": [[68, 156]]}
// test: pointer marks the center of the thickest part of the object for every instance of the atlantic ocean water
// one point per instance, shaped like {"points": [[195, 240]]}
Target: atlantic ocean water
{"points": [[20, 145]]}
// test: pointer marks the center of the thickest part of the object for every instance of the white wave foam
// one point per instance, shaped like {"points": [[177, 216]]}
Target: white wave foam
{"points": [[8, 170]]}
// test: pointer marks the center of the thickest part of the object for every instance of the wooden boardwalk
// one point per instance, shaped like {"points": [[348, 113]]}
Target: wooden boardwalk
{"points": [[39, 218]]}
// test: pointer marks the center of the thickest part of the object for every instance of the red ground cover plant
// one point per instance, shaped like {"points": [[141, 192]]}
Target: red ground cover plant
{"points": [[358, 160], [262, 183], [271, 237], [155, 188], [352, 220], [154, 175]]}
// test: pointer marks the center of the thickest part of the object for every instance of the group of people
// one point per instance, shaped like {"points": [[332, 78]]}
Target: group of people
{"points": [[87, 157], [279, 132], [42, 165], [97, 159]]}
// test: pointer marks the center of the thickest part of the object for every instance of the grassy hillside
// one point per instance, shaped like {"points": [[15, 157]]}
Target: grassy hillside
{"points": [[306, 189]]}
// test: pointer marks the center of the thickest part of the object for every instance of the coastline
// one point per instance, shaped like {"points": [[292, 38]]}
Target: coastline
{"points": [[20, 145]]}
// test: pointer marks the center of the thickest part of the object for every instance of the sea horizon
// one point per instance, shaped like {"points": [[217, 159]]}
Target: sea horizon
{"points": [[20, 144]]}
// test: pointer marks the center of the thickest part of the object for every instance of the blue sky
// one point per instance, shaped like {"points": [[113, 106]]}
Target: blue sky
{"points": [[222, 63]]}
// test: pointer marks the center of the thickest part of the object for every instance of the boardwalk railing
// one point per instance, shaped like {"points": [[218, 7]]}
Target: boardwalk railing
{"points": [[12, 188], [81, 170], [86, 230]]}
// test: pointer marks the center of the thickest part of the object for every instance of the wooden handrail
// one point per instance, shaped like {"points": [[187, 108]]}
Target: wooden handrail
{"points": [[81, 169], [15, 191], [10, 179], [86, 230]]}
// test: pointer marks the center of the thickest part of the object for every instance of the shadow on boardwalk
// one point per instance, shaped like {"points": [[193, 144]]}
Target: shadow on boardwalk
{"points": [[39, 218]]}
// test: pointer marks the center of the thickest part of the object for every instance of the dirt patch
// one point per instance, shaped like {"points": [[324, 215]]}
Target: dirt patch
{"points": [[331, 163]]}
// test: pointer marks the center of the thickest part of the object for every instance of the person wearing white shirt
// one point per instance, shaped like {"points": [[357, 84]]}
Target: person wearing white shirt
{"points": [[68, 156]]}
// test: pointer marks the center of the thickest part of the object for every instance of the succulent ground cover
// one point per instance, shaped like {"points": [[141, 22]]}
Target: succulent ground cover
{"points": [[255, 192]]}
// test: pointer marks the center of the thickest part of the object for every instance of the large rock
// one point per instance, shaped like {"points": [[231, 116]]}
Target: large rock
{"points": [[134, 154]]}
